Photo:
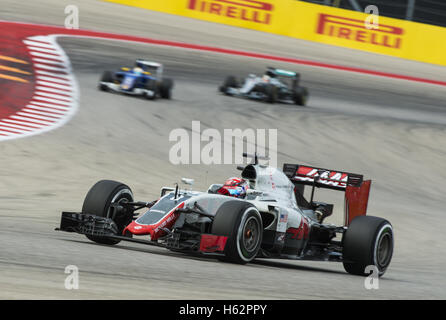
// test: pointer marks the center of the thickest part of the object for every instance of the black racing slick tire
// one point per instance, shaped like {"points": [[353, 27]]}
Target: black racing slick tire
{"points": [[165, 88], [107, 76], [230, 82], [367, 241], [271, 93], [152, 86], [97, 202], [301, 96], [241, 222]]}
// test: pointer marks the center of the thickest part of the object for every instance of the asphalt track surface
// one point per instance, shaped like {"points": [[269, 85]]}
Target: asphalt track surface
{"points": [[393, 131]]}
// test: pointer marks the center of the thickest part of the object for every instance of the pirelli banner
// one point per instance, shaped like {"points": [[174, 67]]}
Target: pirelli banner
{"points": [[317, 23]]}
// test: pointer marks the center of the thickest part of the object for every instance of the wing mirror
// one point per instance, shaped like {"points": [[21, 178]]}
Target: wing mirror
{"points": [[187, 181]]}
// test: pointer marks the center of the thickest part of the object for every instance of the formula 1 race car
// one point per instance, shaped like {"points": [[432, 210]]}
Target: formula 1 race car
{"points": [[144, 79], [272, 220], [276, 85]]}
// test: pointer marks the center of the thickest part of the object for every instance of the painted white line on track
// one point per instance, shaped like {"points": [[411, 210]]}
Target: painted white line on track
{"points": [[27, 123], [50, 89], [49, 105], [44, 55], [53, 96], [47, 110], [38, 44], [47, 50], [52, 74], [54, 85], [37, 116], [47, 61], [52, 100], [31, 119], [53, 79]]}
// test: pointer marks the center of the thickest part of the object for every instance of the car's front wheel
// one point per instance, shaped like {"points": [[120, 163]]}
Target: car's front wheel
{"points": [[241, 222], [107, 76], [230, 82], [98, 202], [271, 93]]}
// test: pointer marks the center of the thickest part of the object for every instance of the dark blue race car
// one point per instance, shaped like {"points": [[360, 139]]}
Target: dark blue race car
{"points": [[144, 79]]}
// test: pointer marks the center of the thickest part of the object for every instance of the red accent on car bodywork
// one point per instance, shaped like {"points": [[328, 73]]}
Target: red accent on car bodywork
{"points": [[212, 243], [302, 232], [356, 200]]}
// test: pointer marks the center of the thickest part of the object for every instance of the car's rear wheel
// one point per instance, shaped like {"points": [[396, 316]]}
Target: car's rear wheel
{"points": [[242, 224], [165, 88], [367, 241], [152, 86], [230, 82], [107, 76], [301, 96], [98, 202]]}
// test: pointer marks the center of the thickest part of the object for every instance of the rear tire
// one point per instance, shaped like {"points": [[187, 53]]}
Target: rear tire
{"points": [[165, 88], [241, 222], [107, 76], [367, 241], [301, 96], [152, 86], [97, 202]]}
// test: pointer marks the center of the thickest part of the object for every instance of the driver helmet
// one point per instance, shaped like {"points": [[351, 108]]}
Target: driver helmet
{"points": [[266, 78], [138, 70], [234, 187]]}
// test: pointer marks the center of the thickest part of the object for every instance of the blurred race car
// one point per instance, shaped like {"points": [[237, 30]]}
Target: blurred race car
{"points": [[144, 79], [276, 85], [267, 218]]}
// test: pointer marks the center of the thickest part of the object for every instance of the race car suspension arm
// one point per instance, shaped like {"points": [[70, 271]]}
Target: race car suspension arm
{"points": [[196, 209], [130, 206]]}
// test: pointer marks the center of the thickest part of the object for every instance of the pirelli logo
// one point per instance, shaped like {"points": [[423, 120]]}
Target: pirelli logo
{"points": [[355, 30], [246, 10]]}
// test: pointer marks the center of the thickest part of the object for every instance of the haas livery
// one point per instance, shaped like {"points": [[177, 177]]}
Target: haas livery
{"points": [[263, 213]]}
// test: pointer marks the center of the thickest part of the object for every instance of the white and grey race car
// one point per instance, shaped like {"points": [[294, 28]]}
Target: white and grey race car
{"points": [[276, 85], [272, 220]]}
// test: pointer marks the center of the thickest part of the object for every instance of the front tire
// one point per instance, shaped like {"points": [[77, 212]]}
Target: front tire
{"points": [[271, 93], [230, 82], [98, 200], [242, 224], [367, 241], [107, 76]]}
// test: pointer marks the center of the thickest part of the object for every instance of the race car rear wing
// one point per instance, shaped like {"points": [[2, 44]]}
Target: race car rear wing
{"points": [[321, 178], [356, 189], [283, 73]]}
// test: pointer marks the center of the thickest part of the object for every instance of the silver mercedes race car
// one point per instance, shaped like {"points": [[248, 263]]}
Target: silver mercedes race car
{"points": [[270, 219], [276, 85]]}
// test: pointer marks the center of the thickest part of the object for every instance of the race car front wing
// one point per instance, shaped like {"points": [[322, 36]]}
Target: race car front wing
{"points": [[179, 240]]}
